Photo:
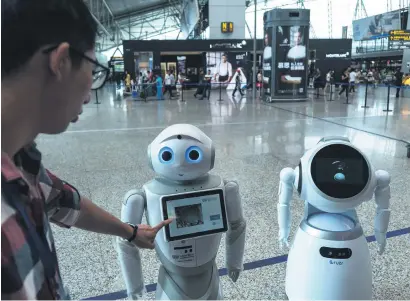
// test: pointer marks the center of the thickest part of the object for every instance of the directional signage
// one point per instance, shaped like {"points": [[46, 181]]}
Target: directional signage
{"points": [[399, 35], [227, 27]]}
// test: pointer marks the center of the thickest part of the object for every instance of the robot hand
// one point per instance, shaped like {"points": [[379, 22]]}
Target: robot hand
{"points": [[283, 239], [234, 274], [381, 242]]}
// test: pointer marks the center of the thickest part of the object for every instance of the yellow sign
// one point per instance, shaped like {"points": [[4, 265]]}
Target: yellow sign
{"points": [[399, 35], [227, 27]]}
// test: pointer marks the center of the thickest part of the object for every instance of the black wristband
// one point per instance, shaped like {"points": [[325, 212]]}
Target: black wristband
{"points": [[134, 233]]}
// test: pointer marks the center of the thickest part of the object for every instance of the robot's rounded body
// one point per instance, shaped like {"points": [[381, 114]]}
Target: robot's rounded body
{"points": [[329, 258], [203, 207], [332, 263]]}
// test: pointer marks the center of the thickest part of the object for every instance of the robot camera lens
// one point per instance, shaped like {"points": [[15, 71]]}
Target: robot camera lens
{"points": [[339, 177], [166, 156], [194, 155], [179, 137]]}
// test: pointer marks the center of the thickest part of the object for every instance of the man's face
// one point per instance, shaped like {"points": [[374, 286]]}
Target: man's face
{"points": [[298, 38], [66, 90], [224, 58]]}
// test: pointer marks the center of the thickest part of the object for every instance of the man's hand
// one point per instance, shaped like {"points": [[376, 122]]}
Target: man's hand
{"points": [[146, 234]]}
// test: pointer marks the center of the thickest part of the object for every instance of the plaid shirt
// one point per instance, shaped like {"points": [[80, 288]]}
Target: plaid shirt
{"points": [[45, 197]]}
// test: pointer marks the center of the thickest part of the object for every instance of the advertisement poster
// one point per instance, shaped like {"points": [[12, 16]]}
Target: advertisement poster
{"points": [[267, 61], [376, 26], [222, 66], [291, 62]]}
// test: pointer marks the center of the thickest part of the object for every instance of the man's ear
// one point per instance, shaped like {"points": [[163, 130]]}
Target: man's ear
{"points": [[59, 60]]}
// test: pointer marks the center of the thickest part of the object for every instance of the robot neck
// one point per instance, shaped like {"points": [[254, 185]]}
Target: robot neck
{"points": [[311, 210], [196, 181]]}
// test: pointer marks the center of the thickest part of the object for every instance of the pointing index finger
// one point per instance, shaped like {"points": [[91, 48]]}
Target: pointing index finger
{"points": [[162, 224]]}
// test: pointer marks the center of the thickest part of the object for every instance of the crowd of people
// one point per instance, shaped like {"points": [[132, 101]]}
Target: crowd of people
{"points": [[351, 77], [149, 84]]}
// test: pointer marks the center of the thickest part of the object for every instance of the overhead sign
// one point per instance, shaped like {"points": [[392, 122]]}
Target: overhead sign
{"points": [[226, 27], [399, 35]]}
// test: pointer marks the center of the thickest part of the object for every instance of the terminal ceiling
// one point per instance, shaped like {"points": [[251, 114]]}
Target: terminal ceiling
{"points": [[135, 19]]}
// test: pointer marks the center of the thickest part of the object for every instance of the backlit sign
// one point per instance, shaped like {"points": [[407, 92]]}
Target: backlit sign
{"points": [[227, 27], [399, 35]]}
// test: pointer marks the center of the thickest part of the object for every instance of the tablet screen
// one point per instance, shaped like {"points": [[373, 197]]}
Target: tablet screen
{"points": [[196, 214]]}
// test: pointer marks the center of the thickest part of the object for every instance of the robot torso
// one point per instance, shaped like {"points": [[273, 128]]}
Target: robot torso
{"points": [[188, 253]]}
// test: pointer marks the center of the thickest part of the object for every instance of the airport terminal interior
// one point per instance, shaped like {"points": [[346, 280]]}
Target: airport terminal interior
{"points": [[297, 102]]}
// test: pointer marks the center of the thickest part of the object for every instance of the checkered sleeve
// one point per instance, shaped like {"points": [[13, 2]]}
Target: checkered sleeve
{"points": [[62, 200]]}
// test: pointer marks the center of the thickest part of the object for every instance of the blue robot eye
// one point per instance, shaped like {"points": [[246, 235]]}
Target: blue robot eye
{"points": [[339, 177], [193, 154], [166, 155]]}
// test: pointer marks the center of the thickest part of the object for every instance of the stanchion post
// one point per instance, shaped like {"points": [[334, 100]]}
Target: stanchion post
{"points": [[96, 98], [388, 99], [182, 91], [220, 91], [365, 96]]}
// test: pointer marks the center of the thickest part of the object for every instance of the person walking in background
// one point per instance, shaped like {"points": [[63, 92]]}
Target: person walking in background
{"points": [[179, 83], [159, 87], [398, 81], [207, 85], [168, 84], [352, 80], [238, 83], [172, 78], [345, 82], [201, 83], [328, 76], [317, 81]]}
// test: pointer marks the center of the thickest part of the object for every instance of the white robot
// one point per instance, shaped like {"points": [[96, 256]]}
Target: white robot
{"points": [[329, 258], [203, 205]]}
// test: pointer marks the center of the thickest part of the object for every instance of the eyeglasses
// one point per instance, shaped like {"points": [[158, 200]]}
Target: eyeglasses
{"points": [[100, 72]]}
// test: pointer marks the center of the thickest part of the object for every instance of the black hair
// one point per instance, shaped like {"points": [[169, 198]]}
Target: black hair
{"points": [[27, 26]]}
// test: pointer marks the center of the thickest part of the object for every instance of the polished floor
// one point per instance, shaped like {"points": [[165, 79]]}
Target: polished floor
{"points": [[104, 155]]}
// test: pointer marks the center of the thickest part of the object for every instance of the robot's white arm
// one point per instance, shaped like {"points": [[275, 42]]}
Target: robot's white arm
{"points": [[235, 237], [287, 177], [382, 198], [128, 254]]}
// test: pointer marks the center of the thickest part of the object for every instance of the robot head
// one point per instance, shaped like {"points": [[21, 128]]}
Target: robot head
{"points": [[334, 176], [181, 152]]}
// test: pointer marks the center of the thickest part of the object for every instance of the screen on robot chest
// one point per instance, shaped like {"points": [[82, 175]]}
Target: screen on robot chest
{"points": [[196, 214], [341, 171]]}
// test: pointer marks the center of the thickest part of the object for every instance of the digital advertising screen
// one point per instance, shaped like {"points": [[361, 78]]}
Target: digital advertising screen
{"points": [[267, 60], [196, 214], [291, 61], [223, 65], [376, 26]]}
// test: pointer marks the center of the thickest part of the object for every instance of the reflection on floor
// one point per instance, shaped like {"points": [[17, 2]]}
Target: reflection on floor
{"points": [[104, 155]]}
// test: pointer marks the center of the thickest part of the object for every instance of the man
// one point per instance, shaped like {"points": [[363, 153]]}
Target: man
{"points": [[207, 85], [201, 83], [224, 70], [398, 79], [237, 84], [168, 82], [48, 48], [345, 82], [172, 77], [352, 80]]}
